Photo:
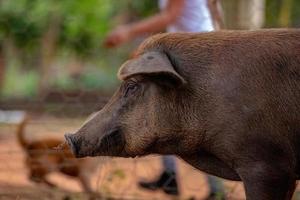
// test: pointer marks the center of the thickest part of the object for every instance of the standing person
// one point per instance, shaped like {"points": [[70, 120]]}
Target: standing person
{"points": [[175, 16]]}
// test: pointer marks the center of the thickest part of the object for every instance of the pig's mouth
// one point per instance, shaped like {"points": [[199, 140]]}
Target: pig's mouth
{"points": [[111, 144], [71, 143]]}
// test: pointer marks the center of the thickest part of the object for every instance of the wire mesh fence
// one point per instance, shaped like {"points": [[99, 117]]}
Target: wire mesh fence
{"points": [[54, 69]]}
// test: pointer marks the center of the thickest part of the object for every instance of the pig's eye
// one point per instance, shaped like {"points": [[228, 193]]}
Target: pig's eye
{"points": [[130, 88]]}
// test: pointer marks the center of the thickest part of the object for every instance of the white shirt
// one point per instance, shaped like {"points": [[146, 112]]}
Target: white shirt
{"points": [[195, 17]]}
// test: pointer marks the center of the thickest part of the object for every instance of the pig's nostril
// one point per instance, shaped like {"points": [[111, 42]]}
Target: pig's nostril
{"points": [[69, 139]]}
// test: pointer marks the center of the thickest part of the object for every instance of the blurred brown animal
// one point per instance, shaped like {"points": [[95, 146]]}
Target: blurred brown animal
{"points": [[226, 102], [42, 158]]}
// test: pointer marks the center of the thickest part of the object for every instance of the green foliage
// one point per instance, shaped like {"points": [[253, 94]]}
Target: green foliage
{"points": [[143, 8], [295, 14], [17, 24], [274, 10], [22, 86], [93, 79], [83, 23], [82, 26]]}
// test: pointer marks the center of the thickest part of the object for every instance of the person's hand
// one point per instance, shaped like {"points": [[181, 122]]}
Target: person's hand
{"points": [[217, 26], [117, 37]]}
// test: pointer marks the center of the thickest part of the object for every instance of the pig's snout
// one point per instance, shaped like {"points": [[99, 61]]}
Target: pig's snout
{"points": [[72, 142]]}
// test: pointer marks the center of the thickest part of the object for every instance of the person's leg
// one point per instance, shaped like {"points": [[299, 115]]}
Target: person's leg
{"points": [[169, 164], [167, 180], [169, 175], [216, 187]]}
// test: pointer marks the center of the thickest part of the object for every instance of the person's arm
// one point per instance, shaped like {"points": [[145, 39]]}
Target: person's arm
{"points": [[152, 24], [216, 13]]}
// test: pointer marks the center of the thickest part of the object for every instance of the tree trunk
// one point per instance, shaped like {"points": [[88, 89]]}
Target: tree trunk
{"points": [[48, 48], [285, 13], [2, 67], [244, 14]]}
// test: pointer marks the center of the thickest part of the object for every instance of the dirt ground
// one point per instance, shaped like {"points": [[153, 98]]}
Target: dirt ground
{"points": [[115, 178]]}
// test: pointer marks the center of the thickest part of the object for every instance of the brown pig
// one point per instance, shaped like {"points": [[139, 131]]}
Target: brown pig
{"points": [[228, 103]]}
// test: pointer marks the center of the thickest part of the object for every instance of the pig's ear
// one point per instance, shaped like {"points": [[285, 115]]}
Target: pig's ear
{"points": [[151, 63]]}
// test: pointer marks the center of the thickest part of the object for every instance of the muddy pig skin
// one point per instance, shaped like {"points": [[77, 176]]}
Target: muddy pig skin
{"points": [[228, 103]]}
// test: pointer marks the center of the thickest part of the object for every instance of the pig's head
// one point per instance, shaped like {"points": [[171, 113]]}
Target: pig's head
{"points": [[142, 117]]}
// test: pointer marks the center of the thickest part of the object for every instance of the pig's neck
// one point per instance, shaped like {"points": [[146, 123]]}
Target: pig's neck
{"points": [[193, 128], [192, 119]]}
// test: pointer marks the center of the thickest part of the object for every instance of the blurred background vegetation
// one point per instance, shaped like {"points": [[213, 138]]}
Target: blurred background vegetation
{"points": [[56, 45]]}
